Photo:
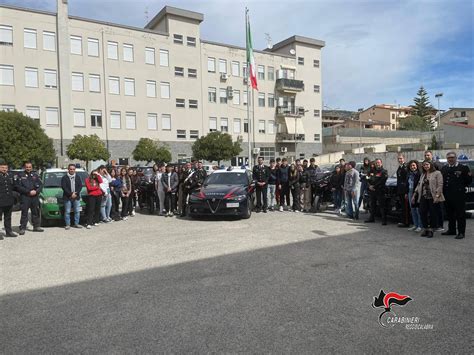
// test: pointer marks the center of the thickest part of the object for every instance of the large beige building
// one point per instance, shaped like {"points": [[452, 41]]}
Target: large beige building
{"points": [[81, 76], [384, 116]]}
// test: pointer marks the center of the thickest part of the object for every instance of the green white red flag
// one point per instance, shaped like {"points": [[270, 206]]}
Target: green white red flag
{"points": [[251, 67]]}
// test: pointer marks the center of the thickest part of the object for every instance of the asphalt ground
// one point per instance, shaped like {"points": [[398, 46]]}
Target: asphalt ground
{"points": [[276, 283]]}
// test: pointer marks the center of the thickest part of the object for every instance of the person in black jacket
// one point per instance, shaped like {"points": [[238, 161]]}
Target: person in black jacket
{"points": [[29, 186], [437, 206], [376, 182], [402, 174], [456, 177], [413, 177], [261, 174], [283, 183], [6, 198], [71, 184], [294, 177], [336, 183]]}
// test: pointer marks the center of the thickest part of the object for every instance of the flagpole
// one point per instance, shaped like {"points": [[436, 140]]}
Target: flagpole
{"points": [[248, 91], [253, 125]]}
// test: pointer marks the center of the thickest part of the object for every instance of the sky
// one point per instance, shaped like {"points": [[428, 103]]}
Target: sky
{"points": [[377, 51]]}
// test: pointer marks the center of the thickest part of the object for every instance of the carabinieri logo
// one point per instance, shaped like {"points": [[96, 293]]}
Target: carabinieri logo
{"points": [[386, 301]]}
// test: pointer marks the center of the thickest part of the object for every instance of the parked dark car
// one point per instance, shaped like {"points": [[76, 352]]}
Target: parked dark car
{"points": [[224, 193]]}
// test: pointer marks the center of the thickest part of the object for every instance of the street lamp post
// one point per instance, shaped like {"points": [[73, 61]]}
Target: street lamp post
{"points": [[438, 96]]}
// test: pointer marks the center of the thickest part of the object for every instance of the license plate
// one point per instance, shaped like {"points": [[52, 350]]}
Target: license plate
{"points": [[233, 205]]}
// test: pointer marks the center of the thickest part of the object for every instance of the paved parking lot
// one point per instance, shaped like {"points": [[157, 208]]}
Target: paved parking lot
{"points": [[278, 282]]}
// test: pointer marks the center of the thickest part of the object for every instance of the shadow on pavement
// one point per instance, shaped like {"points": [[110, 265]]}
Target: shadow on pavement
{"points": [[307, 297]]}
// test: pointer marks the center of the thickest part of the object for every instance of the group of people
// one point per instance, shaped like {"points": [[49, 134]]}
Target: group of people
{"points": [[112, 193], [422, 189]]}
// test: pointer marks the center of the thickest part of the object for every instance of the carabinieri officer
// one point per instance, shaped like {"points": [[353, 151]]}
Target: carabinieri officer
{"points": [[6, 198], [29, 186], [456, 177]]}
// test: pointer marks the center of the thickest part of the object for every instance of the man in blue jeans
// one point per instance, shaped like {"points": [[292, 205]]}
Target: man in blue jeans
{"points": [[351, 190], [71, 184]]}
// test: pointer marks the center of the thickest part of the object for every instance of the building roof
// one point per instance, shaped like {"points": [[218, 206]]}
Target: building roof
{"points": [[170, 10], [343, 114], [299, 39], [244, 49], [390, 107]]}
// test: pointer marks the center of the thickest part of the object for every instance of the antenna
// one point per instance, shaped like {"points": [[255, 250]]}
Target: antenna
{"points": [[268, 38], [146, 14]]}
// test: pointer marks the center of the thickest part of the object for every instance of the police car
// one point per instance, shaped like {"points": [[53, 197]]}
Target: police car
{"points": [[224, 193]]}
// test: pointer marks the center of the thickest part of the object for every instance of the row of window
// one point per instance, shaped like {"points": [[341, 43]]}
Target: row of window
{"points": [[179, 39], [96, 121], [30, 40], [315, 62], [267, 127]]}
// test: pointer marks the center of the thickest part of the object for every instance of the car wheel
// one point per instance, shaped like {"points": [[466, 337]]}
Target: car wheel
{"points": [[248, 211]]}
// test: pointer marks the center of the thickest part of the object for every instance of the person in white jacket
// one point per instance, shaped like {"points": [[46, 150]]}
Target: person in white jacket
{"points": [[106, 205], [159, 189]]}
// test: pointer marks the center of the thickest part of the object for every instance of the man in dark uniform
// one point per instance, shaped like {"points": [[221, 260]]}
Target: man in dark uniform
{"points": [[376, 184], [184, 188], [29, 186], [6, 198], [402, 191], [197, 179], [311, 177], [456, 177], [261, 174]]}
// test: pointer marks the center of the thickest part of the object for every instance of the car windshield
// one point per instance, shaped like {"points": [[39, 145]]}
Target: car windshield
{"points": [[227, 179], [53, 179]]}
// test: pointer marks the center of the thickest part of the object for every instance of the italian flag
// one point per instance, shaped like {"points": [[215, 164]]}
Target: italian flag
{"points": [[251, 70]]}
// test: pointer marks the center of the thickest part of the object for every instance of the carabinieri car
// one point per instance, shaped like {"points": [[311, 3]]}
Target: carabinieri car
{"points": [[224, 193]]}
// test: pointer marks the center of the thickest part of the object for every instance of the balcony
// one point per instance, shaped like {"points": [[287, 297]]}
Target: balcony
{"points": [[289, 85], [290, 111], [289, 138]]}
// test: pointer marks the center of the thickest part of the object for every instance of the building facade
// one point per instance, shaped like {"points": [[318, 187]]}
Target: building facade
{"points": [[388, 116], [81, 76], [458, 115]]}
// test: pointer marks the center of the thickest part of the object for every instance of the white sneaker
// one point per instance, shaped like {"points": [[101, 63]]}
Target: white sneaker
{"points": [[133, 213], [297, 211], [124, 218], [96, 224], [280, 209], [440, 229], [412, 228], [418, 230], [88, 226]]}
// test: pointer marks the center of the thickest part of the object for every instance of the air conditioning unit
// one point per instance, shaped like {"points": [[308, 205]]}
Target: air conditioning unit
{"points": [[283, 149], [245, 81], [256, 151], [224, 76]]}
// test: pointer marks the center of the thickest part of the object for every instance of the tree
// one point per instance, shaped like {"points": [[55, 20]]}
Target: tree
{"points": [[87, 148], [422, 106], [163, 154], [147, 150], [216, 146], [434, 143], [414, 123], [22, 139]]}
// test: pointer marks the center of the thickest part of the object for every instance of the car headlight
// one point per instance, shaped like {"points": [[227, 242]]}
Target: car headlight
{"points": [[238, 198], [52, 200]]}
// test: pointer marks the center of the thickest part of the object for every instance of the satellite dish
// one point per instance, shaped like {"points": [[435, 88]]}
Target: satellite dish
{"points": [[292, 51]]}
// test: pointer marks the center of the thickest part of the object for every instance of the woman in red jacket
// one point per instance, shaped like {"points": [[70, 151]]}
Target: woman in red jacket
{"points": [[94, 198]]}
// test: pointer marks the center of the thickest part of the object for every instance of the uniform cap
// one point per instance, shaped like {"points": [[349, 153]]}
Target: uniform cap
{"points": [[3, 161]]}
